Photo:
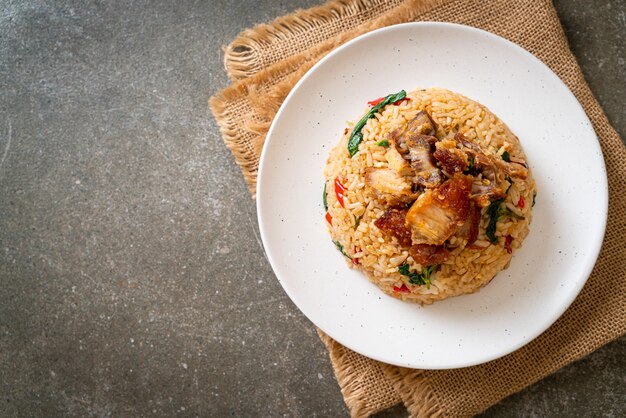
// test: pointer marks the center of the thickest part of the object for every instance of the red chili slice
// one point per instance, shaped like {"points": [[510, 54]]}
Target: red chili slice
{"points": [[406, 99], [507, 244], [329, 218], [355, 260], [339, 190], [380, 99], [375, 101], [401, 289], [521, 202]]}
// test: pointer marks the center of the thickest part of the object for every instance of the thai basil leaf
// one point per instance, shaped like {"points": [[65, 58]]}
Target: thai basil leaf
{"points": [[325, 198], [340, 248], [356, 136], [494, 212], [421, 278]]}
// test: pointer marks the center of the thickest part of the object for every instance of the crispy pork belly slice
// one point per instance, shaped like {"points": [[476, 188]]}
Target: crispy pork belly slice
{"points": [[516, 168], [437, 214], [415, 141], [421, 149], [421, 124], [429, 178], [482, 194], [397, 162], [491, 184], [431, 223], [427, 255], [389, 186], [452, 159], [393, 222], [469, 230], [466, 143]]}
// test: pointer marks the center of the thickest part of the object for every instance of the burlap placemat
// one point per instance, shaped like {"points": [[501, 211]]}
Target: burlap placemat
{"points": [[265, 63]]}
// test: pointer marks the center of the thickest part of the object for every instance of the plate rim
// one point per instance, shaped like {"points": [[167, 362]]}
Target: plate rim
{"points": [[588, 264]]}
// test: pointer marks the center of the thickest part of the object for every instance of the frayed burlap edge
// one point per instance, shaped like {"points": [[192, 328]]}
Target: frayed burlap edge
{"points": [[219, 107], [304, 61], [414, 390], [242, 57], [283, 76], [352, 380], [223, 103]]}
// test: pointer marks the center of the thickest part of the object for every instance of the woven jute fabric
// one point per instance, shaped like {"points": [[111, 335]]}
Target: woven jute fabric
{"points": [[265, 63]]}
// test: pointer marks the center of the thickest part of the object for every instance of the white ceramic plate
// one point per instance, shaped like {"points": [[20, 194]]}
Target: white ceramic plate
{"points": [[544, 276]]}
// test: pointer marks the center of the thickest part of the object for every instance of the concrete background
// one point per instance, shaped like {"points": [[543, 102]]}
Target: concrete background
{"points": [[131, 281]]}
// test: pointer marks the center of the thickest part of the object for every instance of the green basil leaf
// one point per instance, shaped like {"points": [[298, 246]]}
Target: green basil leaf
{"points": [[421, 278], [494, 212], [340, 248], [325, 198], [356, 136]]}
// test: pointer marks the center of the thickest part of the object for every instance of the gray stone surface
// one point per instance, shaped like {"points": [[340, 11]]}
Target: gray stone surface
{"points": [[132, 280]]}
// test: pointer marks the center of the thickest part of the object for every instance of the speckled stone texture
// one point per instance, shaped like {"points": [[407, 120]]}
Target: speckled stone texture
{"points": [[132, 279]]}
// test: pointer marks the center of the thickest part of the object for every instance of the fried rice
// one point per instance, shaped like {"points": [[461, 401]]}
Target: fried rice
{"points": [[361, 200]]}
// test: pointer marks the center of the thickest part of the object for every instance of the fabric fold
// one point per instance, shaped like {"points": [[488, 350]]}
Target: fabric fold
{"points": [[267, 44]]}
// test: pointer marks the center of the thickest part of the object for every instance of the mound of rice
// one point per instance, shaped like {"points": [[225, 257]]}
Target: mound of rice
{"points": [[380, 256]]}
